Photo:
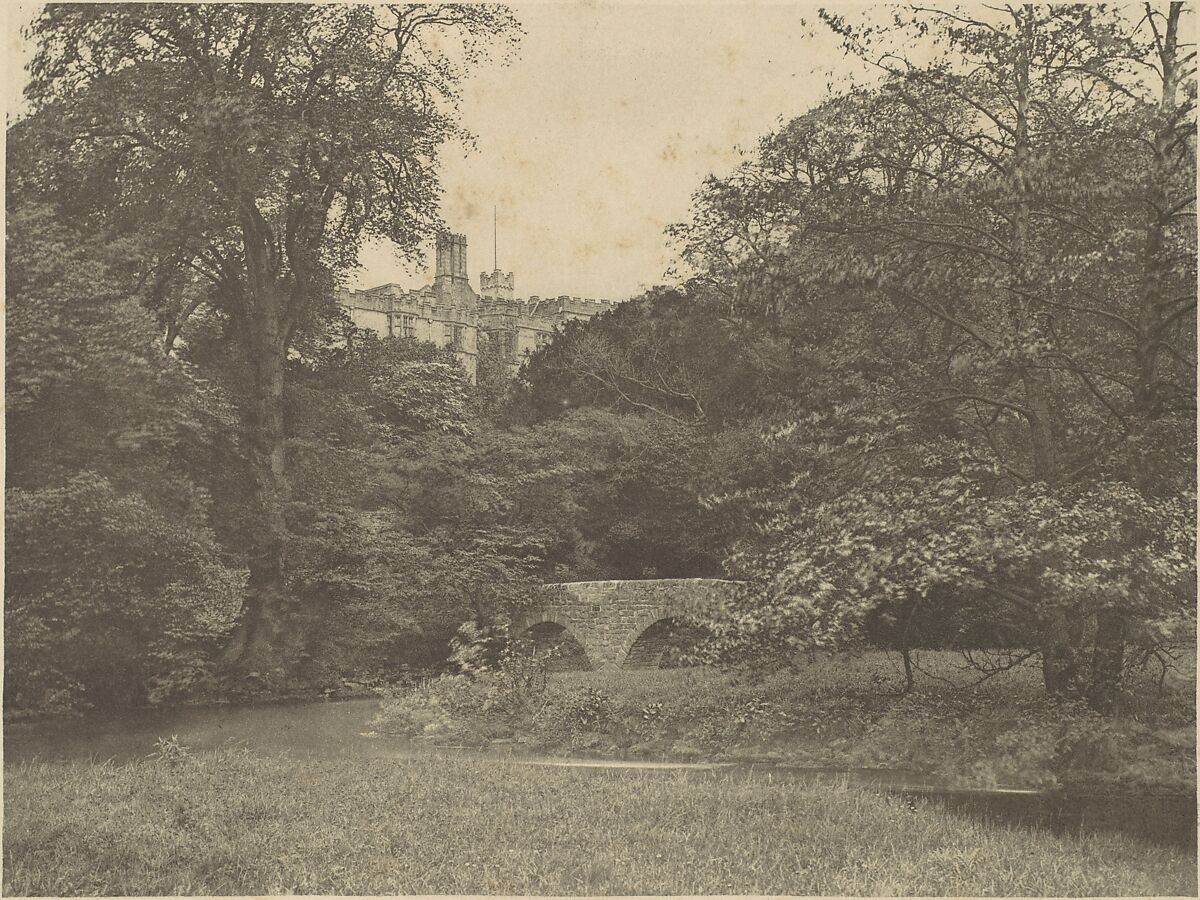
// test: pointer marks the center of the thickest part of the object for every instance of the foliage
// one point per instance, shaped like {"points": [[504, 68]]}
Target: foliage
{"points": [[647, 409], [410, 386], [479, 704], [991, 277], [593, 494], [139, 435], [171, 751], [382, 585], [252, 150], [675, 356], [593, 709], [131, 612], [116, 590], [476, 648], [493, 380], [984, 568]]}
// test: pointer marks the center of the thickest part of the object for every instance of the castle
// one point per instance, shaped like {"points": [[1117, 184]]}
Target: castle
{"points": [[450, 314]]}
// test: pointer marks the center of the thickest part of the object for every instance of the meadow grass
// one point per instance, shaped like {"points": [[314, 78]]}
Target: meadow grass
{"points": [[229, 822]]}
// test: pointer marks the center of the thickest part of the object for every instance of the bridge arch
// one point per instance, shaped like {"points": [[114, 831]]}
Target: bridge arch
{"points": [[548, 636], [658, 644], [608, 617]]}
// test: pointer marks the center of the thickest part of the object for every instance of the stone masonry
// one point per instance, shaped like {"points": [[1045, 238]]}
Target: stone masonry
{"points": [[451, 314], [607, 617]]}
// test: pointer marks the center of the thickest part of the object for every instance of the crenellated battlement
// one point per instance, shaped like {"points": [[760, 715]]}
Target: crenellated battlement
{"points": [[393, 298], [584, 304]]}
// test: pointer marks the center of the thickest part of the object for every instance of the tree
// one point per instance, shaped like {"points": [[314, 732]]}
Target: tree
{"points": [[672, 354], [259, 144], [1161, 324], [116, 589], [960, 233], [387, 588]]}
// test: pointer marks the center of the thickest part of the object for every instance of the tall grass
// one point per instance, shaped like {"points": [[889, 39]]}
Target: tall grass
{"points": [[227, 822]]}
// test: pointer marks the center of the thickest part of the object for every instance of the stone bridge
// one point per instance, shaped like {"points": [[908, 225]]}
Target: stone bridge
{"points": [[620, 623]]}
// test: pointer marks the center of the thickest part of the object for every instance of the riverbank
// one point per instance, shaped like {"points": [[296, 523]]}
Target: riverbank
{"points": [[842, 712], [233, 822]]}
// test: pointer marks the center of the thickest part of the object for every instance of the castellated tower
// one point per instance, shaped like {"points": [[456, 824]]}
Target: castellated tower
{"points": [[450, 282], [496, 285]]}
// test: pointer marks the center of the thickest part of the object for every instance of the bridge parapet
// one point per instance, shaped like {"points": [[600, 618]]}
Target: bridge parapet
{"points": [[607, 617]]}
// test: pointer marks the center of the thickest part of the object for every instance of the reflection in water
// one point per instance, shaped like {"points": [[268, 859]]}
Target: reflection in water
{"points": [[341, 729]]}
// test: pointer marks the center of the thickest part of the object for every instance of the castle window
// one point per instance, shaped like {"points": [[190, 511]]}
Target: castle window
{"points": [[456, 337], [408, 326]]}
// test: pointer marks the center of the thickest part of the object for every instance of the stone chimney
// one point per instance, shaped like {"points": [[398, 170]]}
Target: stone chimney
{"points": [[451, 260]]}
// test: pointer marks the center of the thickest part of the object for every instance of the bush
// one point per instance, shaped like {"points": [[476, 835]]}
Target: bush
{"points": [[108, 600], [593, 709], [116, 590], [434, 709], [480, 703]]}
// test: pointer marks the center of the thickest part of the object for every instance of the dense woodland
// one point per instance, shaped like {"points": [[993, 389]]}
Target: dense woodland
{"points": [[929, 380]]}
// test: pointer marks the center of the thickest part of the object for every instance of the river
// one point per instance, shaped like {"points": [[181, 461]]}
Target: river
{"points": [[322, 729]]}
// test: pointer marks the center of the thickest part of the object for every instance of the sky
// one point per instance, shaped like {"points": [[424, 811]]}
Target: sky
{"points": [[593, 138]]}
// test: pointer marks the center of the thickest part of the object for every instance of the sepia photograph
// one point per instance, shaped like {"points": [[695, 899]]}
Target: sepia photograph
{"points": [[600, 448]]}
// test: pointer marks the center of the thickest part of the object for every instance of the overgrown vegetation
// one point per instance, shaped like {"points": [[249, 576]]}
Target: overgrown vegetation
{"points": [[228, 822], [956, 305], [116, 587], [833, 710]]}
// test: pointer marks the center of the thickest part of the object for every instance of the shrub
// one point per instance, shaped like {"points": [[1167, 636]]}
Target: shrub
{"points": [[849, 712], [481, 702], [133, 610], [433, 709], [593, 709]]}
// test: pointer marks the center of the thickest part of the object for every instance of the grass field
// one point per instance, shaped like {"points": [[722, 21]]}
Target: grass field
{"points": [[228, 822]]}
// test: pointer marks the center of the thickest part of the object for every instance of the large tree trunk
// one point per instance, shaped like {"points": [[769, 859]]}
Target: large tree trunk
{"points": [[268, 644], [270, 638], [1062, 653], [1062, 635]]}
